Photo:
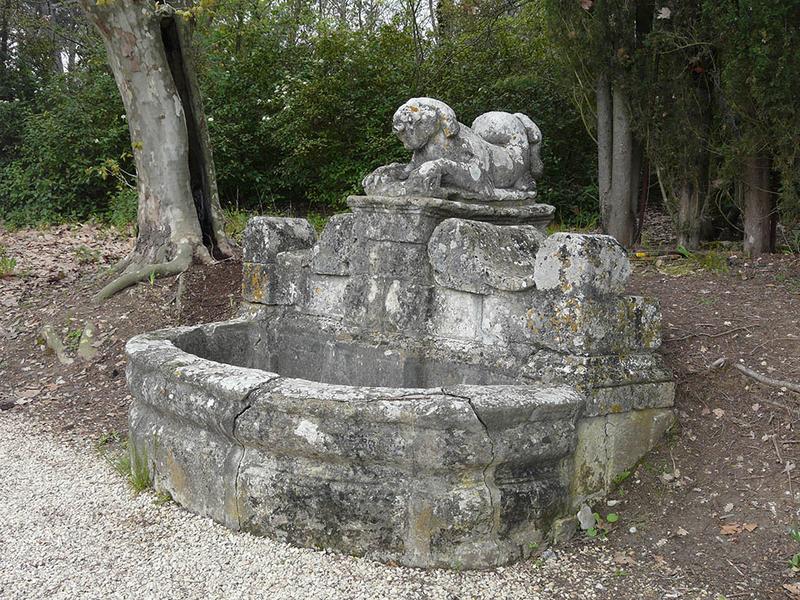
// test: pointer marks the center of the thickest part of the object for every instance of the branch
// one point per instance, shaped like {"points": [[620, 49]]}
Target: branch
{"points": [[719, 363]]}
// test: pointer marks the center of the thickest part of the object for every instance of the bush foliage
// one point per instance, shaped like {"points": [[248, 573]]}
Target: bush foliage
{"points": [[299, 110]]}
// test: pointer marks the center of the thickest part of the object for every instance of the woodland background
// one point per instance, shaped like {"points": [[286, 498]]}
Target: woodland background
{"points": [[299, 97]]}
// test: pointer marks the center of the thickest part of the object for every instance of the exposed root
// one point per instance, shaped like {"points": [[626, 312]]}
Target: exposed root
{"points": [[203, 255], [119, 266], [181, 262]]}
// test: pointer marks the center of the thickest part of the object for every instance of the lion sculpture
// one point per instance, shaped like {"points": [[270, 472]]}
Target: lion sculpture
{"points": [[497, 159]]}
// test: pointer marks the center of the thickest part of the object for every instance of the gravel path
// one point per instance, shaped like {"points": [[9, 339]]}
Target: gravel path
{"points": [[70, 527]]}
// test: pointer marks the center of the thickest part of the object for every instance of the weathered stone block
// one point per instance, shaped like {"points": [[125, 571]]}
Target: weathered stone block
{"points": [[504, 319], [406, 306], [282, 282], [610, 444], [266, 237], [411, 224], [582, 264], [455, 315], [326, 295], [396, 260], [633, 396], [481, 257], [334, 251], [195, 464], [364, 302], [595, 325]]}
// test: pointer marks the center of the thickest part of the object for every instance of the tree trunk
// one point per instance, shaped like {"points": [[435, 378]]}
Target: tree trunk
{"points": [[618, 202], [689, 217], [179, 214], [5, 16], [758, 207], [605, 145]]}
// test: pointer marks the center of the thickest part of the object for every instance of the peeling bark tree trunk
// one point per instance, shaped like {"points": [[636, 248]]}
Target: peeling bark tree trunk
{"points": [[759, 213], [179, 216], [690, 215], [618, 164]]}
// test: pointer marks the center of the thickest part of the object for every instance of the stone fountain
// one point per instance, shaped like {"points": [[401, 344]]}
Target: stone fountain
{"points": [[433, 381]]}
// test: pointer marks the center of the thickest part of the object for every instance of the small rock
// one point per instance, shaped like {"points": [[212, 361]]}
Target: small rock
{"points": [[586, 517]]}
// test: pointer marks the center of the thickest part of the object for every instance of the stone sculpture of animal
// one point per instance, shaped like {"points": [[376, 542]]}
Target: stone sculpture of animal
{"points": [[497, 159]]}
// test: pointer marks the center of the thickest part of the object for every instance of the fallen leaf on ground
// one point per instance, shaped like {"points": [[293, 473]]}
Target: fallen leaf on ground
{"points": [[623, 559], [793, 589], [734, 528]]}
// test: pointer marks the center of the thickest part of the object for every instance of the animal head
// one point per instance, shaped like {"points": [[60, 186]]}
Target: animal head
{"points": [[419, 119]]}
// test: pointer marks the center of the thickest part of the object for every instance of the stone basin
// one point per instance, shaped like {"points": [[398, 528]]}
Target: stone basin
{"points": [[427, 382], [284, 432]]}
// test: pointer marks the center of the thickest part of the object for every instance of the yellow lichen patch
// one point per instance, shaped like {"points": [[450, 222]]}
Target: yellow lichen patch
{"points": [[252, 280], [413, 108]]}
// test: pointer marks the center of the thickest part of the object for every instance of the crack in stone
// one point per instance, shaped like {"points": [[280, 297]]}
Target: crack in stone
{"points": [[488, 480], [248, 405], [607, 472]]}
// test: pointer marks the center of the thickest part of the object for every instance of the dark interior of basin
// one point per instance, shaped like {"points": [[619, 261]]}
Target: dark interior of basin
{"points": [[294, 351]]}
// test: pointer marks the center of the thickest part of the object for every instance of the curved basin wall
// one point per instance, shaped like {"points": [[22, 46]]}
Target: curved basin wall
{"points": [[294, 350], [461, 476]]}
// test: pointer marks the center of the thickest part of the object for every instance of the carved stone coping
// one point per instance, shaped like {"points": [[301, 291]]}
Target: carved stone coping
{"points": [[499, 213]]}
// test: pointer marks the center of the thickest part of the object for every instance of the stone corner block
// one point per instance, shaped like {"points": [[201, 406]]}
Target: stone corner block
{"points": [[582, 263], [334, 251], [282, 282], [611, 444], [593, 325], [266, 237]]}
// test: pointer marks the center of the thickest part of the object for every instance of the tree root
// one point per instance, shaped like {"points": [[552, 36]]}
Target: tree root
{"points": [[789, 385], [181, 262]]}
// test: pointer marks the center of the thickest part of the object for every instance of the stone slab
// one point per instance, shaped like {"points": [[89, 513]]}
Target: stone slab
{"points": [[514, 213], [336, 246], [582, 264], [266, 237], [478, 257], [610, 444], [592, 325]]}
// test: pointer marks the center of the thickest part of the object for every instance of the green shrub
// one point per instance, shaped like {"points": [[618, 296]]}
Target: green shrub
{"points": [[122, 208], [72, 125]]}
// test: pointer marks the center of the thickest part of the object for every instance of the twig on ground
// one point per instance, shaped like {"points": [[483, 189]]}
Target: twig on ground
{"points": [[753, 351], [777, 452], [789, 385], [713, 335]]}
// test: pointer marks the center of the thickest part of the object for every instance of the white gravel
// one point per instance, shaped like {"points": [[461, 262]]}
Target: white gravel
{"points": [[70, 527]]}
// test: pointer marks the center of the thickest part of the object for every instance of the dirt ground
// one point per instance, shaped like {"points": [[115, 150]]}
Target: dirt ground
{"points": [[711, 508]]}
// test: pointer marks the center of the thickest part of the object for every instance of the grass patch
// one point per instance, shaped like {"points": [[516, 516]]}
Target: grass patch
{"points": [[710, 261], [134, 466], [317, 220], [163, 497], [582, 223], [7, 263], [235, 222]]}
